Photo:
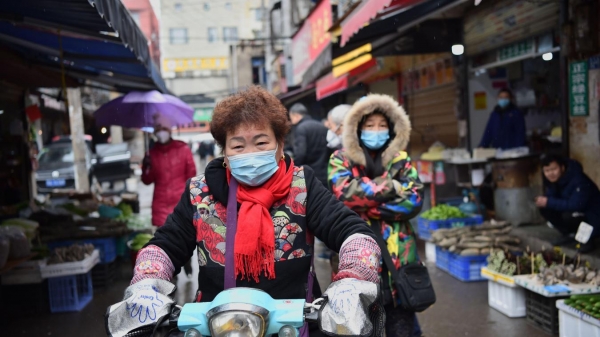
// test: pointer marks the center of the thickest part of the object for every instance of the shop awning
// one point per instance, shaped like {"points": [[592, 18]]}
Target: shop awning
{"points": [[296, 94], [99, 41], [345, 63], [367, 11], [399, 16], [330, 84]]}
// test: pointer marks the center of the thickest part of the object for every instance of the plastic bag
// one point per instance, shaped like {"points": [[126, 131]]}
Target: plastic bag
{"points": [[4, 250], [19, 244]]}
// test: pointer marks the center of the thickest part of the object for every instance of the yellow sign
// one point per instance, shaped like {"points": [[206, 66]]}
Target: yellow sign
{"points": [[351, 60], [197, 63], [480, 100], [352, 54]]}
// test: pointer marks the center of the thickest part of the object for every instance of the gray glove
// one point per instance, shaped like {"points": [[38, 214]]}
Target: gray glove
{"points": [[145, 303], [353, 309]]}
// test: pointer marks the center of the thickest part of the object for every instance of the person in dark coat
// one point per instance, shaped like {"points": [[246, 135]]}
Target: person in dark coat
{"points": [[570, 198], [506, 127], [310, 142]]}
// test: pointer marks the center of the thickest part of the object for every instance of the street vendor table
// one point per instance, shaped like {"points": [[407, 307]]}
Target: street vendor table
{"points": [[530, 282], [517, 182], [469, 173], [11, 264]]}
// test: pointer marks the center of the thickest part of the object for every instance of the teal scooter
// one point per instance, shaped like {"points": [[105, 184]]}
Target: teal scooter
{"points": [[246, 312], [349, 307]]}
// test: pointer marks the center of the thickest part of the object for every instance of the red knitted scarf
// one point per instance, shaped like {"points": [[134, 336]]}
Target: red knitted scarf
{"points": [[254, 250]]}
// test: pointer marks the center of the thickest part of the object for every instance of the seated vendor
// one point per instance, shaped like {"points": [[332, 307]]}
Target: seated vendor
{"points": [[570, 198]]}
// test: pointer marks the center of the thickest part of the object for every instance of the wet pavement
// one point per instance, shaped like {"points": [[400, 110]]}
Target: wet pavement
{"points": [[461, 309]]}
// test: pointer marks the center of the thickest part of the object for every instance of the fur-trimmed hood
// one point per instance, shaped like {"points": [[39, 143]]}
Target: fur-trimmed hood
{"points": [[365, 106]]}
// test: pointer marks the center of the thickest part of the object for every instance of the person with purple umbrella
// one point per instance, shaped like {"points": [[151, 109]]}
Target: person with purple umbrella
{"points": [[168, 165]]}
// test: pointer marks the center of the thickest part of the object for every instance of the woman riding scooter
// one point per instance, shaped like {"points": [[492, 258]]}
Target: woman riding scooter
{"points": [[280, 208]]}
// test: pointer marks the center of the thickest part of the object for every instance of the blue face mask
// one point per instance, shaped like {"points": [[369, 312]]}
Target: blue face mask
{"points": [[503, 102], [253, 169], [374, 140]]}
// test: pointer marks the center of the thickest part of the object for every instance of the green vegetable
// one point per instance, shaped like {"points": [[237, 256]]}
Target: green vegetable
{"points": [[443, 212], [126, 209], [140, 240], [75, 210], [29, 227]]}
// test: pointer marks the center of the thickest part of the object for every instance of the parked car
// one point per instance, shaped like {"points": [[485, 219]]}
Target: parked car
{"points": [[110, 163]]}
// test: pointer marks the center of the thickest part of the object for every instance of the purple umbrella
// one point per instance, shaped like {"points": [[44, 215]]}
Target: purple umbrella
{"points": [[144, 109]]}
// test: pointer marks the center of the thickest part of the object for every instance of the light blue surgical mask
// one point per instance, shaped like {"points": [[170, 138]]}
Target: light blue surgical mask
{"points": [[503, 102], [374, 140], [253, 169]]}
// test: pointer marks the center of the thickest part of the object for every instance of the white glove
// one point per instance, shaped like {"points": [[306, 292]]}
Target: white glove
{"points": [[145, 303], [353, 309]]}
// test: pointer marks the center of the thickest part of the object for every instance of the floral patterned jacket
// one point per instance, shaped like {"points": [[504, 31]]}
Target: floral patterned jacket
{"points": [[392, 198], [199, 222]]}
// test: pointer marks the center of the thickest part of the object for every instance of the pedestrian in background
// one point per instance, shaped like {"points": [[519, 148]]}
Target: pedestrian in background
{"points": [[309, 142], [168, 166], [374, 176], [206, 151], [335, 120], [506, 126]]}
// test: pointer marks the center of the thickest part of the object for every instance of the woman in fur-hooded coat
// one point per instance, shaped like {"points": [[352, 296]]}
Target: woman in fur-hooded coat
{"points": [[380, 184]]}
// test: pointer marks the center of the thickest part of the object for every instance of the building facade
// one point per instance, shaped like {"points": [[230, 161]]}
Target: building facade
{"points": [[198, 39]]}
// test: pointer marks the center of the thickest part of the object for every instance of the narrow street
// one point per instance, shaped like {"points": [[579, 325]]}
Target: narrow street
{"points": [[461, 308]]}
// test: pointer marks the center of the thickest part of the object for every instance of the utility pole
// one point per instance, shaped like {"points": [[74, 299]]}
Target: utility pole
{"points": [[82, 183]]}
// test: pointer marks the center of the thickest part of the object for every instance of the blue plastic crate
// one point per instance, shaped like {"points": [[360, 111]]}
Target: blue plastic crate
{"points": [[106, 246], [70, 293], [424, 227], [442, 258], [467, 268], [462, 222]]}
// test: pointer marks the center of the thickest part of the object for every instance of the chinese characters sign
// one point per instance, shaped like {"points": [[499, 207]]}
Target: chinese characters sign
{"points": [[578, 88], [515, 50], [311, 39], [320, 22]]}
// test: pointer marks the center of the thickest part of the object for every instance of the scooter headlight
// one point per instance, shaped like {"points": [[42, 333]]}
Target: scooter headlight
{"points": [[237, 323]]}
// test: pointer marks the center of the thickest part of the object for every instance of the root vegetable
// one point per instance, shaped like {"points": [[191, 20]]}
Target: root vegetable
{"points": [[470, 252]]}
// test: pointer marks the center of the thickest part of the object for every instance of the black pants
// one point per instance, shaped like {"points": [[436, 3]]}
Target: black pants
{"points": [[564, 222], [399, 322]]}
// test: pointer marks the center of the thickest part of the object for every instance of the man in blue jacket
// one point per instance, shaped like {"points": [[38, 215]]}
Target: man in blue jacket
{"points": [[571, 197], [506, 127]]}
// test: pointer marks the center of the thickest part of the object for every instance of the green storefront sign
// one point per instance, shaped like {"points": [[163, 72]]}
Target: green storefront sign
{"points": [[515, 50], [578, 88], [203, 114]]}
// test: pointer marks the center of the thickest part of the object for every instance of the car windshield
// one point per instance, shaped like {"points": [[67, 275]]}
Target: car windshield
{"points": [[55, 154]]}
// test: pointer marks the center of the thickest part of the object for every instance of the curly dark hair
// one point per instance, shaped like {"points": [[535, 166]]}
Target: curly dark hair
{"points": [[253, 106]]}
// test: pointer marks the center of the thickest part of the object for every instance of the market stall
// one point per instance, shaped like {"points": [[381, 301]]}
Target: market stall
{"points": [[73, 243]]}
